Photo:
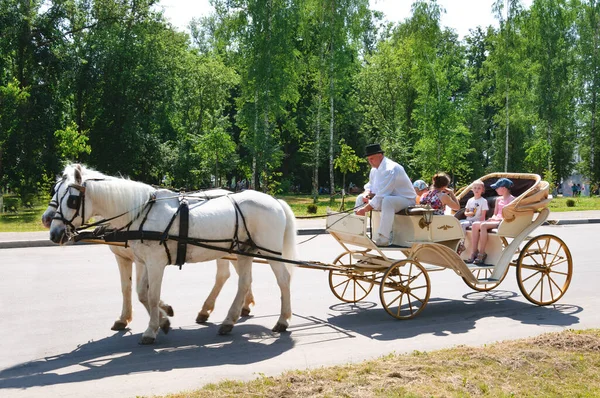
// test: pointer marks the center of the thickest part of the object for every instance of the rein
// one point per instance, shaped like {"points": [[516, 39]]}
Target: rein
{"points": [[124, 234]]}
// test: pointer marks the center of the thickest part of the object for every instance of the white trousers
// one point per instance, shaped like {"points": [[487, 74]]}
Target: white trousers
{"points": [[389, 207]]}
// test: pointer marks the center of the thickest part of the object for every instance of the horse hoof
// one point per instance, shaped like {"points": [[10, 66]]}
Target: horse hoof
{"points": [[169, 310], [201, 318], [119, 325], [225, 329], [279, 328], [245, 312], [166, 326], [147, 340]]}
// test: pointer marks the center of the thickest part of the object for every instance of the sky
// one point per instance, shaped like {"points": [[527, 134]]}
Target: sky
{"points": [[461, 15]]}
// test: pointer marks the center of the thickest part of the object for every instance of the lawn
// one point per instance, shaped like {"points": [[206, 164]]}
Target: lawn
{"points": [[27, 219], [561, 364]]}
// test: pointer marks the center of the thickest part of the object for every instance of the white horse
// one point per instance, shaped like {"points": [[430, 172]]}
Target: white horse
{"points": [[250, 222], [125, 261]]}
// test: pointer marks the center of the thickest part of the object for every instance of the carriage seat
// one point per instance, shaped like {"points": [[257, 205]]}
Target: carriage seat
{"points": [[416, 210]]}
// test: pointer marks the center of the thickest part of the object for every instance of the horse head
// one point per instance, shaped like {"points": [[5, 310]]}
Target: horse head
{"points": [[67, 210]]}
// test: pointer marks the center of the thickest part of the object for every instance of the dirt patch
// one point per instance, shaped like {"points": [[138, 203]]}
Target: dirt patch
{"points": [[569, 340]]}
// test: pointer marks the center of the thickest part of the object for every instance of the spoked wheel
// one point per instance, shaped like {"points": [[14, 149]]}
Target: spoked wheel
{"points": [[485, 274], [405, 289], [544, 269], [350, 286]]}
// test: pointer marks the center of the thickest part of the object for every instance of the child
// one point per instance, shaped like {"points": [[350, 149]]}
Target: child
{"points": [[475, 210], [481, 228], [421, 188], [476, 206]]}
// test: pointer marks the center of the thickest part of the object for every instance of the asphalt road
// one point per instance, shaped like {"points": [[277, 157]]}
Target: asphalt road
{"points": [[57, 305]]}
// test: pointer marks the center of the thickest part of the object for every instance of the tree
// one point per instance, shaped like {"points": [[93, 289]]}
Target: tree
{"points": [[347, 162], [588, 85], [71, 143], [552, 44]]}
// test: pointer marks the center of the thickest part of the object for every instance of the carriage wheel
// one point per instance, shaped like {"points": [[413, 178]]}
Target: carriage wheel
{"points": [[405, 289], [544, 269], [349, 286], [484, 274]]}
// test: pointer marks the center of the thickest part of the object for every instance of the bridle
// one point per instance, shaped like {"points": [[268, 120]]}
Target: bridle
{"points": [[73, 201], [77, 202]]}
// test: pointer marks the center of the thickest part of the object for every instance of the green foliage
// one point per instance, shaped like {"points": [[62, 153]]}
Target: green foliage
{"points": [[311, 208], [570, 203], [550, 176], [265, 90], [347, 161], [71, 143]]}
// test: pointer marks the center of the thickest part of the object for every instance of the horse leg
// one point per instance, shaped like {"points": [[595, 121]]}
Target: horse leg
{"points": [[249, 299], [154, 274], [244, 268], [284, 276], [164, 310], [223, 274], [125, 271]]}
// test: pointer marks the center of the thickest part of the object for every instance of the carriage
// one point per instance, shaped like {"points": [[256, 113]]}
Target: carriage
{"points": [[424, 243], [156, 225]]}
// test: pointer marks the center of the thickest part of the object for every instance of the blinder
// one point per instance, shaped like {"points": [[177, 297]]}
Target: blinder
{"points": [[74, 201]]}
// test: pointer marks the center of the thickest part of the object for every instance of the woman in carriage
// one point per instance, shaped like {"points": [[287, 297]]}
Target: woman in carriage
{"points": [[440, 195]]}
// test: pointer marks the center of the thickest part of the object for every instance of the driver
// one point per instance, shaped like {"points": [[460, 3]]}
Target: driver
{"points": [[389, 189]]}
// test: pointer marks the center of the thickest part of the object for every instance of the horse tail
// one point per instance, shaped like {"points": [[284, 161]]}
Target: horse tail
{"points": [[289, 235]]}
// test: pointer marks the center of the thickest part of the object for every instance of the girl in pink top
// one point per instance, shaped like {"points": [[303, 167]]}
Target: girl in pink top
{"points": [[480, 229]]}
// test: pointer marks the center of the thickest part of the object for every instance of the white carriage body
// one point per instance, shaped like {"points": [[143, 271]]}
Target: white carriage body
{"points": [[435, 245]]}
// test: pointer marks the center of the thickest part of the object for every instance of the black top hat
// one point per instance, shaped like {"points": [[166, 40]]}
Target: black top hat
{"points": [[372, 149]]}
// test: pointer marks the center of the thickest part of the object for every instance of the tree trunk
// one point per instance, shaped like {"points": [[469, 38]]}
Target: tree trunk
{"points": [[507, 130], [317, 146], [331, 120], [593, 172], [331, 112], [255, 149]]}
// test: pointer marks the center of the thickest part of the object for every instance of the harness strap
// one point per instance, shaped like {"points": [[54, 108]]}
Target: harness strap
{"points": [[235, 242], [183, 239], [184, 223], [124, 236]]}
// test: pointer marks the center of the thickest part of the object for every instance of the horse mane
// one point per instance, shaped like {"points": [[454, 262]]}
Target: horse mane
{"points": [[115, 195]]}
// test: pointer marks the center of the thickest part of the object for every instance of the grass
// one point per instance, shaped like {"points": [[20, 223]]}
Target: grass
{"points": [[564, 364], [28, 219], [23, 220], [300, 203], [559, 204]]}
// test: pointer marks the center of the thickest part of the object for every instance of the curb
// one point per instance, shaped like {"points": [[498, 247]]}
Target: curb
{"points": [[21, 244], [573, 222]]}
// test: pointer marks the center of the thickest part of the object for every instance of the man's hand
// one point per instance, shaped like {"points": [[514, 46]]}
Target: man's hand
{"points": [[366, 196], [363, 210]]}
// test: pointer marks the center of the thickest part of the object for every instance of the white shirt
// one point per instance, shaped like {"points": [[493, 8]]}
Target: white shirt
{"points": [[389, 179], [479, 205]]}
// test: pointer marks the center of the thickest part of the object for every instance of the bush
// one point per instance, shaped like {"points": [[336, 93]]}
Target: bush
{"points": [[11, 202], [311, 208], [570, 203]]}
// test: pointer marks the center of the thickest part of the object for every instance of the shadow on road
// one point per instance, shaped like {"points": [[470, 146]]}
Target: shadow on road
{"points": [[120, 354], [444, 317]]}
